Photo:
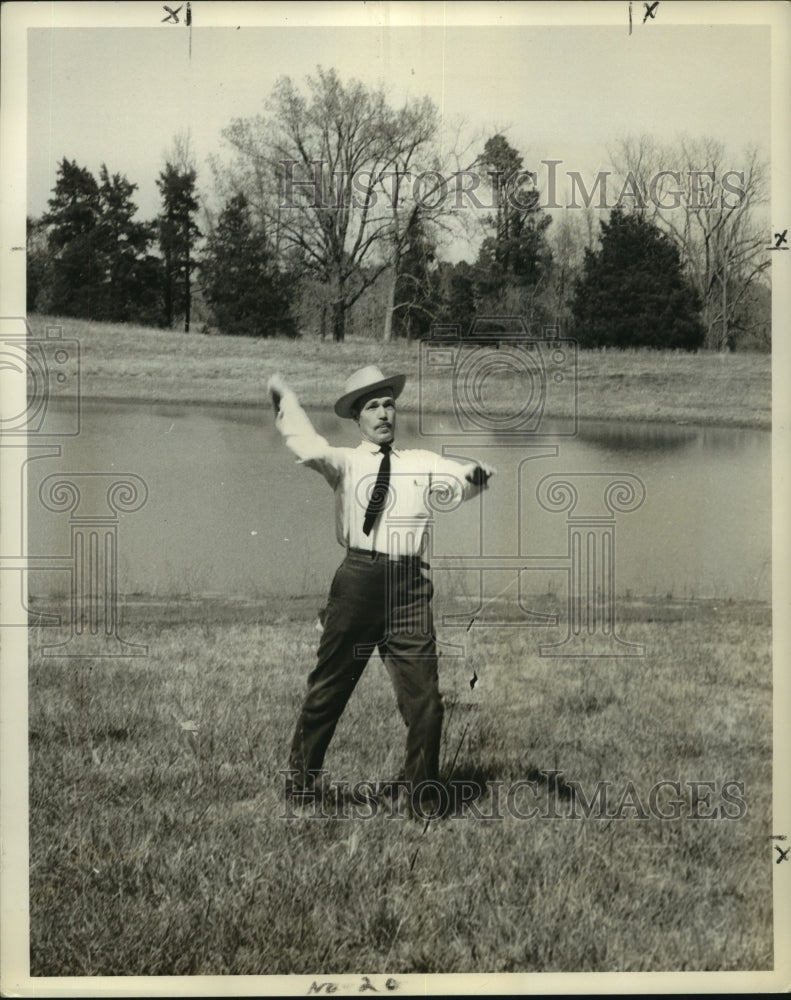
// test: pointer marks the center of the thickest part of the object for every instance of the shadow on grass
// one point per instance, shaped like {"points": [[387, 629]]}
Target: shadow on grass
{"points": [[480, 774]]}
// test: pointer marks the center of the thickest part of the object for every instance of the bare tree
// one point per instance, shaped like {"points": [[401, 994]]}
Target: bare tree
{"points": [[250, 172], [709, 203], [724, 240], [425, 187], [638, 161], [413, 129], [181, 153], [330, 156], [568, 238]]}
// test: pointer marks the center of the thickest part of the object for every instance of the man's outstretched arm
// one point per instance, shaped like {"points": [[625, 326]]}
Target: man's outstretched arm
{"points": [[299, 433]]}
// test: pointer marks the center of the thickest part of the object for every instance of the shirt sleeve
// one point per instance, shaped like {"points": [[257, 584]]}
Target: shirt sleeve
{"points": [[302, 439], [449, 477]]}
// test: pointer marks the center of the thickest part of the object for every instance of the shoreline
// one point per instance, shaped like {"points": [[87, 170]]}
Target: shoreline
{"points": [[302, 608], [722, 422]]}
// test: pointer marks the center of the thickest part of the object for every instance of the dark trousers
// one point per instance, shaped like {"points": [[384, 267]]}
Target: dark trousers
{"points": [[374, 603]]}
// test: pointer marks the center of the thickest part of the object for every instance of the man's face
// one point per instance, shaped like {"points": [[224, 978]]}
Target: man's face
{"points": [[377, 416]]}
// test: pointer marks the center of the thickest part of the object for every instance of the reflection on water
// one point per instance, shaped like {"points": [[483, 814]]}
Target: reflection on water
{"points": [[630, 437], [643, 438], [230, 512]]}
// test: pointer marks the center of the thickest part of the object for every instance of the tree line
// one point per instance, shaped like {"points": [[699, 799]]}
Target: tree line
{"points": [[88, 257], [335, 206]]}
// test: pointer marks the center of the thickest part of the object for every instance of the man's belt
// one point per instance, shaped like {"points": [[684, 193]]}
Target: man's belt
{"points": [[375, 556]]}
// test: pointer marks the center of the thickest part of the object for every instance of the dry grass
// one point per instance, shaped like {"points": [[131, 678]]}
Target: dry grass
{"points": [[129, 362], [156, 850]]}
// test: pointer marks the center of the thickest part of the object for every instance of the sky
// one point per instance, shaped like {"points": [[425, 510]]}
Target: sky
{"points": [[119, 95]]}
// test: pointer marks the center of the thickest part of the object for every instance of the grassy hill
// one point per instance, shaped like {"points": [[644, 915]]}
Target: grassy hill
{"points": [[121, 361]]}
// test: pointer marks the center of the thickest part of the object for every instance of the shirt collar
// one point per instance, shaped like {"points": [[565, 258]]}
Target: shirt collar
{"points": [[374, 449]]}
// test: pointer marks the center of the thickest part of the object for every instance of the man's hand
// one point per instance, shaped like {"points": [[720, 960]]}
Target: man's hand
{"points": [[277, 387], [479, 473]]}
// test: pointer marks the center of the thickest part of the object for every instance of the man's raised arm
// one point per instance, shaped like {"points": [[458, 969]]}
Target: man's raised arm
{"points": [[299, 433]]}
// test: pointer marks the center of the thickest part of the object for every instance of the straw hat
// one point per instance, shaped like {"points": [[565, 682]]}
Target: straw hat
{"points": [[366, 380]]}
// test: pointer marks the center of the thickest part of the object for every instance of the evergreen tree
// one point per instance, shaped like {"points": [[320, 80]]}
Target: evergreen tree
{"points": [[38, 266], [178, 233], [74, 211], [516, 255], [633, 293], [128, 275], [455, 290], [415, 291], [243, 287], [97, 266]]}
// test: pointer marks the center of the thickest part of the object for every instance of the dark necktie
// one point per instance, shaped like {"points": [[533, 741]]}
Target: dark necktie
{"points": [[379, 494]]}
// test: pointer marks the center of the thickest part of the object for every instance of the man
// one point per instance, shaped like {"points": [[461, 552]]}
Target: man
{"points": [[380, 597]]}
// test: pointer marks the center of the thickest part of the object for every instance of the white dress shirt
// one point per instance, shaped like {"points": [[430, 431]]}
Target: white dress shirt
{"points": [[422, 483]]}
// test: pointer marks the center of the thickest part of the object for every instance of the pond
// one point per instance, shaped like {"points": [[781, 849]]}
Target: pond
{"points": [[228, 512]]}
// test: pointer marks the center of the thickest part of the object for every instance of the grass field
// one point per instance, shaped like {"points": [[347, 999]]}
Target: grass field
{"points": [[158, 845], [127, 362]]}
